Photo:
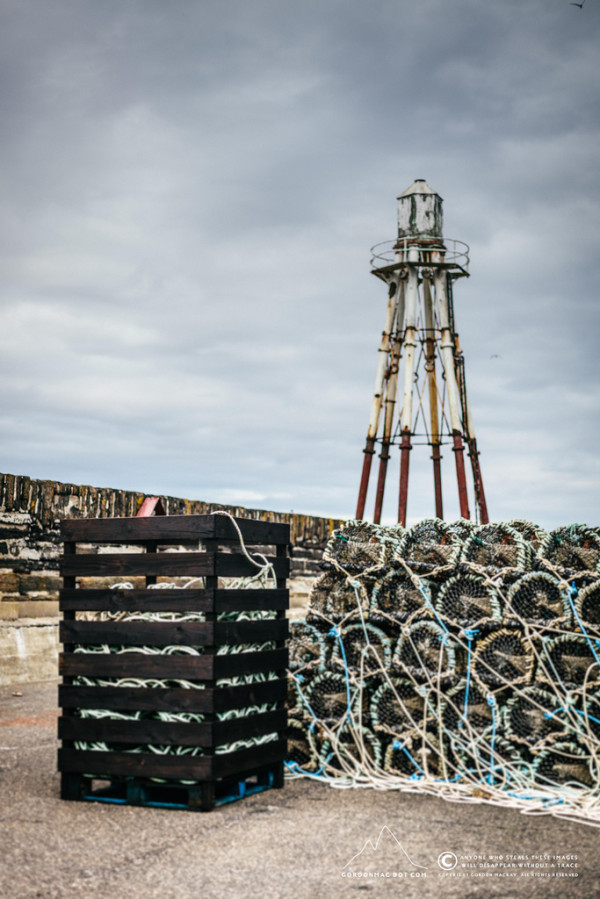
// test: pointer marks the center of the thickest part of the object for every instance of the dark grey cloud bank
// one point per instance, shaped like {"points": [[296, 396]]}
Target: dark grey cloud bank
{"points": [[190, 194]]}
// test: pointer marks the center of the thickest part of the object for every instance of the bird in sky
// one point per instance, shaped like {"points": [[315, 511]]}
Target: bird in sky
{"points": [[580, 5]]}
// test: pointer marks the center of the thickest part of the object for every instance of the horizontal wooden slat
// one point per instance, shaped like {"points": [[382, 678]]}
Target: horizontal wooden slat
{"points": [[250, 726], [135, 664], [253, 531], [167, 564], [135, 564], [138, 530], [244, 600], [132, 699], [136, 764], [146, 732], [260, 631], [142, 764], [169, 667], [237, 565], [177, 733], [137, 633], [230, 764], [173, 699], [172, 529], [172, 600], [239, 663], [226, 698], [163, 600], [171, 633]]}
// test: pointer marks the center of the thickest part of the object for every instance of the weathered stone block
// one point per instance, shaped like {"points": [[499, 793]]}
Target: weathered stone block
{"points": [[38, 608], [15, 518], [12, 531], [9, 582], [9, 610], [28, 652], [37, 583]]}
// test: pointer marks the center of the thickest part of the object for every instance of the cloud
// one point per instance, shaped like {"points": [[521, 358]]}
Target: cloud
{"points": [[191, 192]]}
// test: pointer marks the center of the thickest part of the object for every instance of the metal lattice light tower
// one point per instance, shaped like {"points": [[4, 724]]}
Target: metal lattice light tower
{"points": [[419, 338]]}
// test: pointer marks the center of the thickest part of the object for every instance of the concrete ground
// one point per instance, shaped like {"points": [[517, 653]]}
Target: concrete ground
{"points": [[297, 842]]}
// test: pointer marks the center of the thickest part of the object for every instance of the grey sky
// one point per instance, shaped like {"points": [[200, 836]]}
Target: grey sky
{"points": [[190, 194]]}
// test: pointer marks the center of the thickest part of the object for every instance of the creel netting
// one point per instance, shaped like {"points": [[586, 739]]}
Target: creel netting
{"points": [[459, 660]]}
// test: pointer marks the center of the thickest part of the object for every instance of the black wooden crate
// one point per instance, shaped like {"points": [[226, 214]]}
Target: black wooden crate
{"points": [[169, 547]]}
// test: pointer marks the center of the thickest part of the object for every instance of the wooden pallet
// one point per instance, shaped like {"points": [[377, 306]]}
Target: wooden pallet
{"points": [[207, 546], [201, 796]]}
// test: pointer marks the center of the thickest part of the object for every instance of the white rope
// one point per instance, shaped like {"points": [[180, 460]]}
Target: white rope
{"points": [[489, 776]]}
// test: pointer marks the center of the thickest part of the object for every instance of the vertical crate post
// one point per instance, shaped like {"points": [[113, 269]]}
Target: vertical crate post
{"points": [[207, 795], [117, 678]]}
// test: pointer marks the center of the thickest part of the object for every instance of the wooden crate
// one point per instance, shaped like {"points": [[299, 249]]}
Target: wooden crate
{"points": [[169, 547]]}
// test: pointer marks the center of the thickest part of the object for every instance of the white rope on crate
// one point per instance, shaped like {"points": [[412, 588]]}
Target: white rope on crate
{"points": [[261, 579], [464, 763]]}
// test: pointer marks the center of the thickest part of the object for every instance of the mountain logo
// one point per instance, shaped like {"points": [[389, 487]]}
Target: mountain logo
{"points": [[386, 837]]}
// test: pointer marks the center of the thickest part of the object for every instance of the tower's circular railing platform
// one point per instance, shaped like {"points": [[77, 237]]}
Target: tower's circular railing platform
{"points": [[420, 250]]}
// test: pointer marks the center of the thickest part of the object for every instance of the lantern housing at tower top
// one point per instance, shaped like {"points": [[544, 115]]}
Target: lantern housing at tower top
{"points": [[420, 211]]}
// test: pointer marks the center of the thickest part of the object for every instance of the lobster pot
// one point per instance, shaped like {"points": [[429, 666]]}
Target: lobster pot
{"points": [[573, 550], [172, 696], [428, 545]]}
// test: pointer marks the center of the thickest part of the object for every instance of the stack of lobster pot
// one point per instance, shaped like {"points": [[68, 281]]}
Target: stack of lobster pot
{"points": [[451, 651]]}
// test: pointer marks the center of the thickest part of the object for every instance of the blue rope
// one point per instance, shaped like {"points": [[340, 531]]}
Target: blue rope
{"points": [[307, 704], [573, 591], [295, 768], [470, 635], [334, 632], [430, 606], [584, 714], [577, 712], [553, 714], [398, 745]]}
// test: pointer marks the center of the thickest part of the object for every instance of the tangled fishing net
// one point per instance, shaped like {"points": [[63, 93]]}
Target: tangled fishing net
{"points": [[458, 660]]}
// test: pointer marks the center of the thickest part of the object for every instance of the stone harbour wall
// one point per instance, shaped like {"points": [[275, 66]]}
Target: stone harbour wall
{"points": [[30, 546]]}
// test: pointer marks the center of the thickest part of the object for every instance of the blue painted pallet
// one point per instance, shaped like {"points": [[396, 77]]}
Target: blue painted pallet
{"points": [[174, 795]]}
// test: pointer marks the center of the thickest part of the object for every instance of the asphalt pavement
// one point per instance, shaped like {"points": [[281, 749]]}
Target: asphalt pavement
{"points": [[307, 840]]}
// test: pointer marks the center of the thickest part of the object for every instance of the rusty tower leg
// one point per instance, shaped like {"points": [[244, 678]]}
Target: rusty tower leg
{"points": [[463, 498], [381, 376], [448, 349], [478, 481], [405, 449], [369, 452], [383, 462], [461, 379]]}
